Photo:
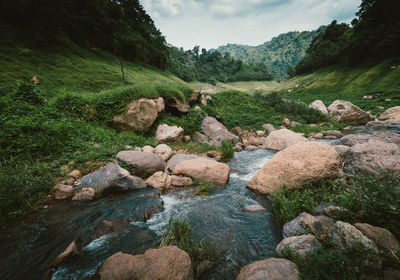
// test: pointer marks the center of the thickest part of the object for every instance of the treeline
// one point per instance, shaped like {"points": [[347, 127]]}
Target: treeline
{"points": [[373, 36], [211, 67], [121, 27]]}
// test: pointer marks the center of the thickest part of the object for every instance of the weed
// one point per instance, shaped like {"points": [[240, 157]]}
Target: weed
{"points": [[205, 188], [226, 150]]}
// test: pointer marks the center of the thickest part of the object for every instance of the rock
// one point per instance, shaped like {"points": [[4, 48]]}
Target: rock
{"points": [[305, 223], [194, 97], [330, 137], [335, 133], [237, 130], [180, 181], [294, 124], [70, 181], [354, 139], [86, 194], [112, 178], [166, 133], [139, 117], [345, 111], [187, 138], [320, 208], [301, 245], [318, 136], [204, 169], [176, 106], [254, 208], [260, 133], [148, 149], [269, 269], [137, 149], [286, 122], [257, 141], [391, 115], [75, 174], [377, 124], [203, 267], [372, 157], [176, 159], [203, 100], [212, 154], [200, 138], [268, 127], [383, 238], [238, 148], [320, 106], [146, 164], [281, 139], [251, 148], [391, 275], [160, 104], [107, 227], [35, 80], [62, 192], [344, 236], [159, 180], [296, 166], [341, 150], [72, 250], [163, 151], [216, 131], [334, 211], [166, 263]]}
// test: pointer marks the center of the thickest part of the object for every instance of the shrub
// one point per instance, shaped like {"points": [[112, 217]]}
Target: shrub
{"points": [[227, 150], [190, 122]]}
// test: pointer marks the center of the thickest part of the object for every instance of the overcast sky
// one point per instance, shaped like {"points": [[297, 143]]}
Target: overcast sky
{"points": [[212, 23]]}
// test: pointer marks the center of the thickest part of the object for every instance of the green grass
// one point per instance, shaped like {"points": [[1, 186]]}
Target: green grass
{"points": [[205, 188]]}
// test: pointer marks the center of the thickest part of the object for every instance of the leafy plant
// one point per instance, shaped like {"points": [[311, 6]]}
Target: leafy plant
{"points": [[227, 150]]}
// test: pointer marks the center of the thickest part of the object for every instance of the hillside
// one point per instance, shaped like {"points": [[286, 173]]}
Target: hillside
{"points": [[279, 54]]}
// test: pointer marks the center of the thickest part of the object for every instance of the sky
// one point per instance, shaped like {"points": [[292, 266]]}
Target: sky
{"points": [[212, 23]]}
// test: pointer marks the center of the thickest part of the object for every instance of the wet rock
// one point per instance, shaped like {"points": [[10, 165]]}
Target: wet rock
{"points": [[204, 169], [112, 178], [107, 227], [164, 151], [296, 166], [62, 192], [139, 116], [176, 159], [176, 106], [281, 139], [320, 106], [216, 131], [345, 111], [166, 263], [301, 245], [180, 181], [166, 133], [148, 149], [203, 267], [271, 269], [159, 180], [145, 164], [268, 127], [391, 115], [335, 133], [86, 194], [72, 250], [254, 208], [383, 238]]}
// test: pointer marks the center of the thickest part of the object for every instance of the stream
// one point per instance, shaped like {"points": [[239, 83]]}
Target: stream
{"points": [[28, 248]]}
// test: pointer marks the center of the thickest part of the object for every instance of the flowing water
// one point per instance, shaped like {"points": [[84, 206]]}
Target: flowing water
{"points": [[28, 249]]}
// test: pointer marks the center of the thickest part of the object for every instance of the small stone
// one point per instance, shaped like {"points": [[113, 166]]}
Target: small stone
{"points": [[260, 133], [286, 122], [212, 154], [254, 208], [63, 192], [85, 194], [187, 138], [75, 173], [238, 148], [73, 249], [334, 211]]}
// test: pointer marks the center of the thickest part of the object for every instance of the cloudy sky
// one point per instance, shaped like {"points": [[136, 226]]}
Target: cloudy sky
{"points": [[211, 23]]}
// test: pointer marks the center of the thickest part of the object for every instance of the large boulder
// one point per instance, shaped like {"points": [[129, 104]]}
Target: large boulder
{"points": [[373, 156], [146, 164], [204, 169], [112, 178], [216, 131], [345, 111], [139, 116], [159, 180], [281, 139], [383, 238], [391, 115], [301, 245], [166, 263], [297, 166], [166, 133], [164, 151], [320, 106], [176, 159], [271, 269]]}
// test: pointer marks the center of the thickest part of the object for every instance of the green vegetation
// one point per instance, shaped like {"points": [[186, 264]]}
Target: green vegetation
{"points": [[368, 198], [248, 111], [279, 54], [227, 150], [179, 234], [205, 188]]}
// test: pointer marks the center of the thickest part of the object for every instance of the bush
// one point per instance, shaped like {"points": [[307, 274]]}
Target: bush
{"points": [[191, 122]]}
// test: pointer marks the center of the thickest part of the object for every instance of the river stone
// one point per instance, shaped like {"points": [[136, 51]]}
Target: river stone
{"points": [[216, 131], [166, 133], [335, 133], [254, 208], [281, 139], [180, 181], [320, 106], [107, 227], [301, 245], [344, 235], [166, 263], [62, 192], [112, 178], [354, 139], [176, 159], [139, 116], [72, 250], [383, 238], [163, 151], [391, 115], [268, 127], [345, 111], [146, 164], [271, 269], [251, 148], [159, 180], [297, 166], [204, 169], [86, 194]]}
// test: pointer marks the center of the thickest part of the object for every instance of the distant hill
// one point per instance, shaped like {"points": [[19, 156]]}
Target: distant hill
{"points": [[279, 54]]}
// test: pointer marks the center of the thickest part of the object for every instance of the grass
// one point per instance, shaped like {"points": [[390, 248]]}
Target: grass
{"points": [[205, 188]]}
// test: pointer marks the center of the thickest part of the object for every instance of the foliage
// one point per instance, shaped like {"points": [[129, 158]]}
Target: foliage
{"points": [[205, 188], [179, 234], [190, 122], [227, 150]]}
